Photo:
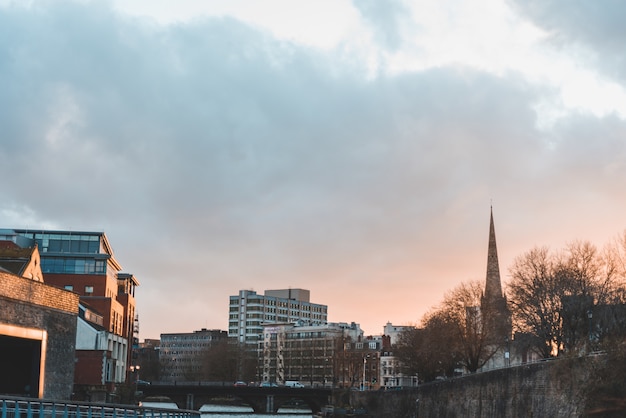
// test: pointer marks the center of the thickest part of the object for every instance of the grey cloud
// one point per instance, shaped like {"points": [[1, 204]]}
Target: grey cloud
{"points": [[213, 153], [596, 28]]}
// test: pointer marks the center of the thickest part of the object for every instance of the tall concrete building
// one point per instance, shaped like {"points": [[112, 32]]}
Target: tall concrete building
{"points": [[248, 312]]}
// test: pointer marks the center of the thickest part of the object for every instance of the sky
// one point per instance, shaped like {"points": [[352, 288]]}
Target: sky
{"points": [[352, 148]]}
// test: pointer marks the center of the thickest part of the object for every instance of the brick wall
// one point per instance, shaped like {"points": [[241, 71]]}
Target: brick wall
{"points": [[29, 304]]}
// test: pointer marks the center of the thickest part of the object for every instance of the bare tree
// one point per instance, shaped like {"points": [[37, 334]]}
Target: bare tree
{"points": [[461, 310], [452, 335], [553, 295]]}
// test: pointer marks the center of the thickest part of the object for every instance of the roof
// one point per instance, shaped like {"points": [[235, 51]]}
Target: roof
{"points": [[13, 258]]}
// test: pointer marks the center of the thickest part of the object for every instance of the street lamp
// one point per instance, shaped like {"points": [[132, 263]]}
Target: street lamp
{"points": [[135, 372], [364, 364], [590, 317]]}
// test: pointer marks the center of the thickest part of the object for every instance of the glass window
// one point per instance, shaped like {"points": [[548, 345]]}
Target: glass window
{"points": [[54, 245], [70, 266], [94, 246], [89, 290]]}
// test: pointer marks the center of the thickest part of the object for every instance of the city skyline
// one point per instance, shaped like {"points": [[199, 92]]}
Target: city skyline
{"points": [[350, 148]]}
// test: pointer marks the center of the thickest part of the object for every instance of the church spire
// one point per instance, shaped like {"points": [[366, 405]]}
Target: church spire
{"points": [[493, 287]]}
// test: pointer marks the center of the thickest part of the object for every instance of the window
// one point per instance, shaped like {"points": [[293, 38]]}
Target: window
{"points": [[89, 290], [69, 287]]}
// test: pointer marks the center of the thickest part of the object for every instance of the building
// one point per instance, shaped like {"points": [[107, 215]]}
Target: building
{"points": [[24, 262], [83, 262], [100, 355], [146, 363], [494, 310], [248, 312], [358, 363], [312, 354], [182, 354], [391, 370], [37, 329]]}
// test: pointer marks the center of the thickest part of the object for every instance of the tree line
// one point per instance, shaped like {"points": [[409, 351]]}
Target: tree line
{"points": [[561, 302]]}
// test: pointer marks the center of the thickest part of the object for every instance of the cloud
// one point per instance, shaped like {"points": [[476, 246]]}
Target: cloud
{"points": [[594, 31], [217, 158], [386, 20]]}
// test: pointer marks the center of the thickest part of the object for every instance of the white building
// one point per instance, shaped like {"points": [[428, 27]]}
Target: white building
{"points": [[248, 312], [391, 374]]}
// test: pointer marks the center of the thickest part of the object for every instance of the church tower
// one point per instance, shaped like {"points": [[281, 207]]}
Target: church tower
{"points": [[495, 311]]}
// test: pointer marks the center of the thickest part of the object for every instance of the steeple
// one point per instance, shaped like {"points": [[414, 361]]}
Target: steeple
{"points": [[493, 287]]}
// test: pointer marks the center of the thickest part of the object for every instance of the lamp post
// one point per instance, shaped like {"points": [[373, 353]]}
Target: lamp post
{"points": [[507, 353], [590, 317], [134, 370], [135, 373], [364, 364]]}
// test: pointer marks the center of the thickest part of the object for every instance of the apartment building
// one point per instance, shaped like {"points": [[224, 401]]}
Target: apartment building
{"points": [[303, 352], [249, 312]]}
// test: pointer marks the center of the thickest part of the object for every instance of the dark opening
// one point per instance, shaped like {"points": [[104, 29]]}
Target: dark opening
{"points": [[19, 363]]}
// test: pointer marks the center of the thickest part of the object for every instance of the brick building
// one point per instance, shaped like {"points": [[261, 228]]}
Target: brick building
{"points": [[37, 337], [84, 263]]}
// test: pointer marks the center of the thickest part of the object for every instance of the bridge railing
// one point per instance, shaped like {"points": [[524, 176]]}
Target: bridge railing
{"points": [[15, 407]]}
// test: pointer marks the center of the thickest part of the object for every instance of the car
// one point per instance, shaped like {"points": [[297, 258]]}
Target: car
{"points": [[143, 382], [265, 385], [240, 384]]}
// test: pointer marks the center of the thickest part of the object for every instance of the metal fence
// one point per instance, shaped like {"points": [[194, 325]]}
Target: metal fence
{"points": [[13, 407]]}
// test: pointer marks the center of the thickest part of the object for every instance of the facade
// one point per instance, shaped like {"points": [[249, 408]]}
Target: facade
{"points": [[100, 358], [312, 354], [358, 363], [181, 354], [84, 263], [391, 375], [37, 337], [248, 312]]}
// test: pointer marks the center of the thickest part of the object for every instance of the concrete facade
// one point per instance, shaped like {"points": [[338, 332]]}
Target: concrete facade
{"points": [[248, 312]]}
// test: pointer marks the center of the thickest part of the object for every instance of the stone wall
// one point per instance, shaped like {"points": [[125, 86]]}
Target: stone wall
{"points": [[557, 388], [30, 305]]}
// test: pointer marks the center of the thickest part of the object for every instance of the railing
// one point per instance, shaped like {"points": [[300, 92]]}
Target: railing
{"points": [[14, 407]]}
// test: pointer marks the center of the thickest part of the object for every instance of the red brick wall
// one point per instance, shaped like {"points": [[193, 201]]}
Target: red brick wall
{"points": [[89, 367]]}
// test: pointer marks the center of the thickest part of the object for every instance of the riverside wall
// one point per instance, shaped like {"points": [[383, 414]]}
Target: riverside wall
{"points": [[556, 388]]}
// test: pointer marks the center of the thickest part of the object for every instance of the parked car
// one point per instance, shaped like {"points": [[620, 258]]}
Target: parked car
{"points": [[240, 384], [293, 384]]}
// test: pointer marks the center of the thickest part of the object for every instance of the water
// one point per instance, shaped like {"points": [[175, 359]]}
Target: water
{"points": [[214, 411]]}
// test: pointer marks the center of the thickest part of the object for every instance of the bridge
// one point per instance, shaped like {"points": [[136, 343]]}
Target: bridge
{"points": [[260, 399]]}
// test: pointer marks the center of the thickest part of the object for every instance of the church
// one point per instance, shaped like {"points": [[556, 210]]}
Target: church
{"points": [[494, 308]]}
